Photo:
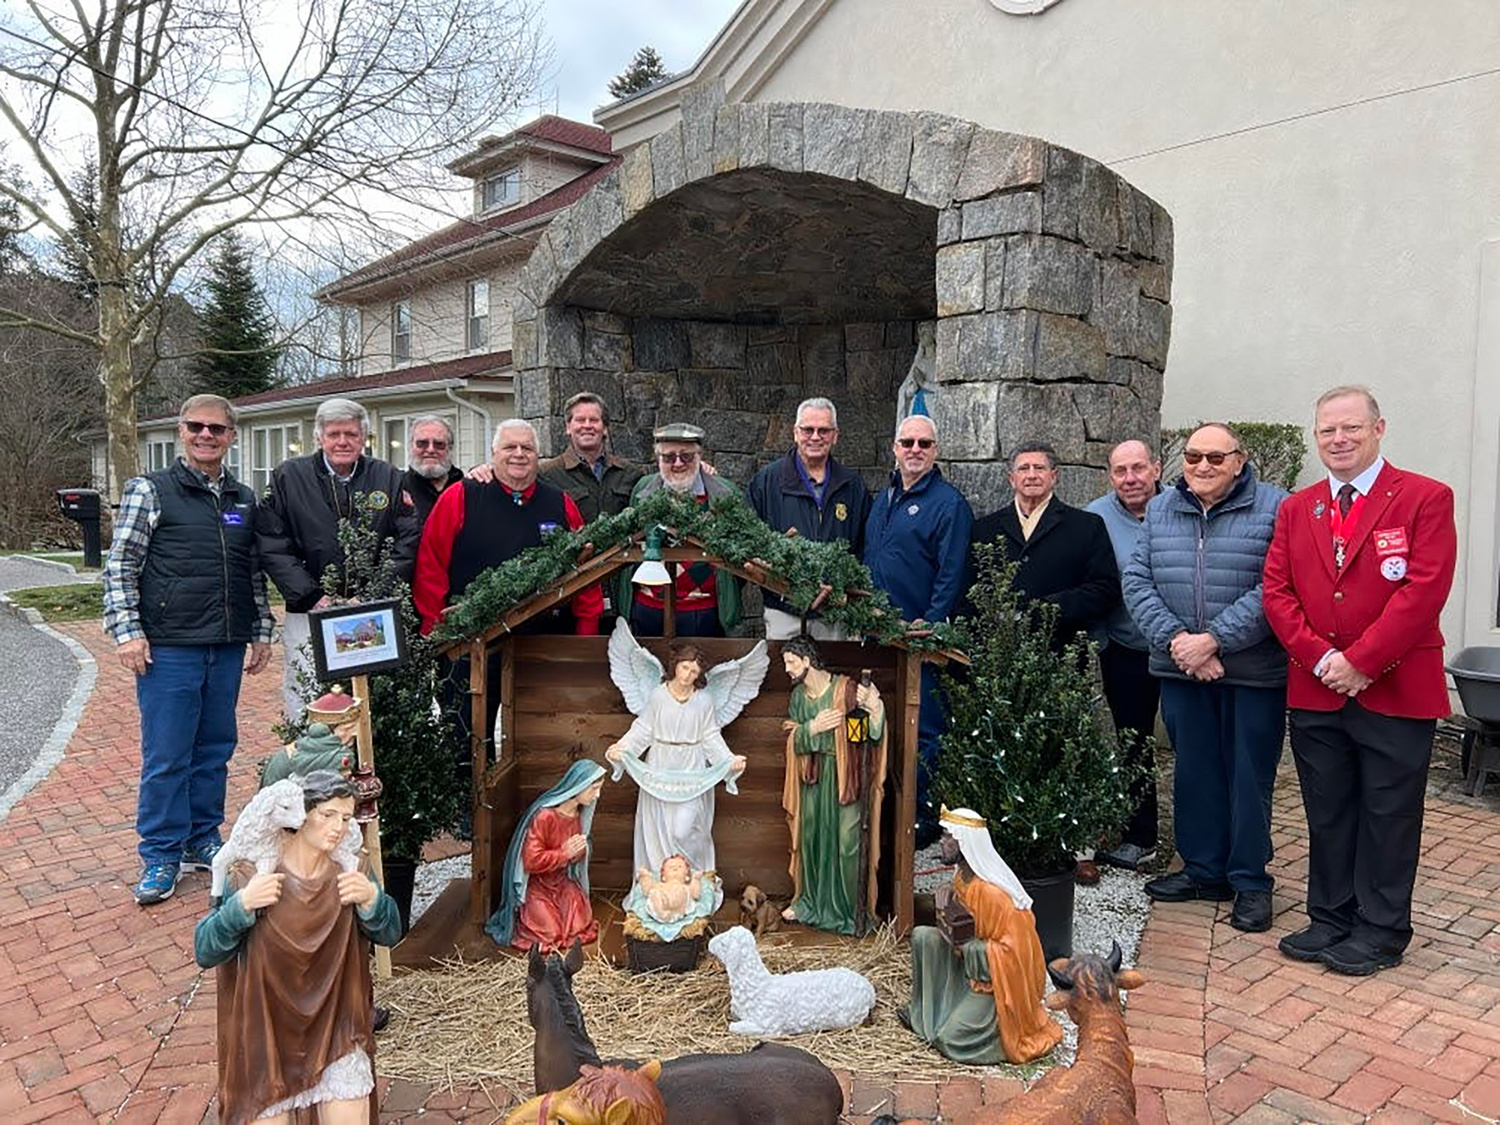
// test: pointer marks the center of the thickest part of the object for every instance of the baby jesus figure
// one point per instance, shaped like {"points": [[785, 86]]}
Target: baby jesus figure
{"points": [[673, 895]]}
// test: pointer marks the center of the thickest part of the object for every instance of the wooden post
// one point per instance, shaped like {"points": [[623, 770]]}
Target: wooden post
{"points": [[365, 748], [909, 684], [479, 821], [669, 603]]}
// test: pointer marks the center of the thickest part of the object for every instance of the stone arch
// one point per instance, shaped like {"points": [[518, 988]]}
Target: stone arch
{"points": [[758, 253]]}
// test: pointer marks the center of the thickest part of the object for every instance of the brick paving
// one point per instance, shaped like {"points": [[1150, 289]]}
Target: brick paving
{"points": [[104, 1016]]}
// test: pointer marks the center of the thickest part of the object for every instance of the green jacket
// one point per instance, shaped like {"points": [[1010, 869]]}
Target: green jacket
{"points": [[726, 583]]}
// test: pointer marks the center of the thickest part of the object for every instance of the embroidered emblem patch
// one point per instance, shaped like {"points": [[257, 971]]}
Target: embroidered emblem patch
{"points": [[913, 509], [1390, 541], [1393, 568], [840, 511], [379, 500], [234, 519]]}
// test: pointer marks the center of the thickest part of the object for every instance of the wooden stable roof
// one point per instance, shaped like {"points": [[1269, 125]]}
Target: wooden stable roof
{"points": [[631, 552]]}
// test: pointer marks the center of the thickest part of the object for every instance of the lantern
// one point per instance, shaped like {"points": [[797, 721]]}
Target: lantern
{"points": [[651, 572], [857, 720]]}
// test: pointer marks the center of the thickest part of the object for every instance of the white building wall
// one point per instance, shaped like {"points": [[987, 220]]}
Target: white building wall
{"points": [[1314, 244]]}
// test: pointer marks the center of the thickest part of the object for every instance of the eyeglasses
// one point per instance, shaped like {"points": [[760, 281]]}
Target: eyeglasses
{"points": [[677, 458], [1193, 456], [431, 443], [919, 442], [817, 431], [217, 429]]}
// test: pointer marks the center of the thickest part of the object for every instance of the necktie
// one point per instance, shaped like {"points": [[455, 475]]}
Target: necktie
{"points": [[1346, 499]]}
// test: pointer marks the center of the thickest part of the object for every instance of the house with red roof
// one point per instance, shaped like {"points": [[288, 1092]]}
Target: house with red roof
{"points": [[434, 315]]}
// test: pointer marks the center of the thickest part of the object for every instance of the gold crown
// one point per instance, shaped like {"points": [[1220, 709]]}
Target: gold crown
{"points": [[963, 820]]}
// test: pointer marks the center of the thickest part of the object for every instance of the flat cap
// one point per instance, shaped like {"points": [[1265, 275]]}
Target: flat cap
{"points": [[678, 431]]}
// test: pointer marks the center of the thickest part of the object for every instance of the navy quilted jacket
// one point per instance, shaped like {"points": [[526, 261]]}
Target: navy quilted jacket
{"points": [[1202, 573]]}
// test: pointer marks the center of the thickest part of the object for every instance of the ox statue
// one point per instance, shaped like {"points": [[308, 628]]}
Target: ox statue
{"points": [[770, 1084], [1097, 1089]]}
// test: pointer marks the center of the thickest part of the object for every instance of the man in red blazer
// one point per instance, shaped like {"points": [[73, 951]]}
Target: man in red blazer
{"points": [[1356, 576]]}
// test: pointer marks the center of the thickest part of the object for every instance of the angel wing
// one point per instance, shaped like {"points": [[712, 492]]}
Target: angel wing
{"points": [[634, 670], [735, 683]]}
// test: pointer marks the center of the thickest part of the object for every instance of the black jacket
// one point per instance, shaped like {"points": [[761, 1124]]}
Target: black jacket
{"points": [[1068, 561], [296, 525], [781, 498], [423, 493]]}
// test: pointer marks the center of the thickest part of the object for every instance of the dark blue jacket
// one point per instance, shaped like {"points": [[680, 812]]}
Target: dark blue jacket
{"points": [[781, 498], [917, 546], [1202, 573]]}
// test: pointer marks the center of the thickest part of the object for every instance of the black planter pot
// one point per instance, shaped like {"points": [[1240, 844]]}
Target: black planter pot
{"points": [[401, 881], [1052, 906]]}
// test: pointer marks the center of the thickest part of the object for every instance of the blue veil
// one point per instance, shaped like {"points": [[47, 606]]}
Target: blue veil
{"points": [[581, 774]]}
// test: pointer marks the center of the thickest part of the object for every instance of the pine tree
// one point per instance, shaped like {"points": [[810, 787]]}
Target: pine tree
{"points": [[73, 255], [646, 69], [238, 332], [1025, 746]]}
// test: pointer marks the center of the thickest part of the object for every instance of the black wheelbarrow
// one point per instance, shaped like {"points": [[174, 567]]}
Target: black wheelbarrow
{"points": [[1476, 673]]}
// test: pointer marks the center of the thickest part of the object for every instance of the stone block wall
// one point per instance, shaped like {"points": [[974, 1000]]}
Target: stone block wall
{"points": [[740, 383]]}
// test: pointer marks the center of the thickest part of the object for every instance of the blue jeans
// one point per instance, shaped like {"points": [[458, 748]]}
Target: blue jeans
{"points": [[1227, 741], [187, 699]]}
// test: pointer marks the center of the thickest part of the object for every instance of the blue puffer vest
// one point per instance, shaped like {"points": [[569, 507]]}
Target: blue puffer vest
{"points": [[1202, 572]]}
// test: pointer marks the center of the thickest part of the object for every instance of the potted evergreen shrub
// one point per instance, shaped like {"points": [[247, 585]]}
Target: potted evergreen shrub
{"points": [[1026, 748]]}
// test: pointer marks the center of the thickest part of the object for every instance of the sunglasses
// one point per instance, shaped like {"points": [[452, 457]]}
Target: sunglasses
{"points": [[677, 458], [817, 431], [919, 442], [1193, 456], [217, 429], [431, 443]]}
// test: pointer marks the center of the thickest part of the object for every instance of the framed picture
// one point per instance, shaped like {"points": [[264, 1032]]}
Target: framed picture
{"points": [[355, 640]]}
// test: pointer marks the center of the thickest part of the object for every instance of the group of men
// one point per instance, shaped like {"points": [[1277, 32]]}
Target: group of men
{"points": [[1197, 595]]}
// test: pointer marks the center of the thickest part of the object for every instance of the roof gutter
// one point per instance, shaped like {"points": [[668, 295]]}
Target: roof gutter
{"points": [[484, 415]]}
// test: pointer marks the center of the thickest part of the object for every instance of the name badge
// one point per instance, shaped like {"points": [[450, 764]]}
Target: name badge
{"points": [[1391, 541], [234, 519], [547, 528]]}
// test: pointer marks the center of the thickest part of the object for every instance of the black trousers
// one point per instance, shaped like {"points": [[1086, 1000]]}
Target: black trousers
{"points": [[1364, 778], [1133, 695]]}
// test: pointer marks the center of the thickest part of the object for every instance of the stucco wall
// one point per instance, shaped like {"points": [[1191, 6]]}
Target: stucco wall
{"points": [[1342, 246]]}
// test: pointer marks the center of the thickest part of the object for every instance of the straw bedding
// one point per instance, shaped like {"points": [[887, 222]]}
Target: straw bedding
{"points": [[465, 1024]]}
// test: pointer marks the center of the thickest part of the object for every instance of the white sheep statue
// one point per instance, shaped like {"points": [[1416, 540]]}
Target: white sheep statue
{"points": [[770, 1005], [258, 834]]}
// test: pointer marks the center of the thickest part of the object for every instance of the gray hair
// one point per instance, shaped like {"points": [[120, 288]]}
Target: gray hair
{"points": [[924, 417], [513, 424], [217, 402], [818, 404], [433, 420], [340, 410], [1345, 391], [1035, 447]]}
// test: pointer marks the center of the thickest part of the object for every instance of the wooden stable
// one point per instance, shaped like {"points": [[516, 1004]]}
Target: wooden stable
{"points": [[558, 703]]}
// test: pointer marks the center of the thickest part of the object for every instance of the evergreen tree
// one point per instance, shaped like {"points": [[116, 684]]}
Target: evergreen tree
{"points": [[73, 254], [646, 69], [238, 332]]}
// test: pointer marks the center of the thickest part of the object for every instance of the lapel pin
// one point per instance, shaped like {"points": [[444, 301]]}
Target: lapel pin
{"points": [[1318, 510]]}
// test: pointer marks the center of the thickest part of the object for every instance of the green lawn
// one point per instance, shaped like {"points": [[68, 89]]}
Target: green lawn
{"points": [[78, 602]]}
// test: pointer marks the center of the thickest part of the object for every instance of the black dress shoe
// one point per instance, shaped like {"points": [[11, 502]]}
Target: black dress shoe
{"points": [[1306, 945], [1252, 911], [1182, 887], [382, 1017], [1353, 958]]}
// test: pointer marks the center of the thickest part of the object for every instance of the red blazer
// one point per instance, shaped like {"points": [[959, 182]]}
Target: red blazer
{"points": [[1381, 610]]}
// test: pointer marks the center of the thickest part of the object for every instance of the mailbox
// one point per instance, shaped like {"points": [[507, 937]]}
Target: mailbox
{"points": [[81, 505]]}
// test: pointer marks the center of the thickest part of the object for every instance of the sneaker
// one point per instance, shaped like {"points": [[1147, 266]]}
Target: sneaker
{"points": [[1127, 855], [157, 883], [1252, 912], [1353, 958], [1182, 887], [200, 856], [1308, 944]]}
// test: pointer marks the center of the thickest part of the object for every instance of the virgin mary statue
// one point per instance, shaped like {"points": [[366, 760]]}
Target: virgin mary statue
{"points": [[544, 897]]}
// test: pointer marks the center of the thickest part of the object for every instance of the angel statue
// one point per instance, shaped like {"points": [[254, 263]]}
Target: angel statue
{"points": [[680, 723]]}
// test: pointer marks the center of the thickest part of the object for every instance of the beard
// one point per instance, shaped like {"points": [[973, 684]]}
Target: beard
{"points": [[680, 485], [433, 472], [801, 676]]}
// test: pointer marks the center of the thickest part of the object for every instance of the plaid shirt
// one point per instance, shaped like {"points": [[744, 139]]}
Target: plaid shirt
{"points": [[140, 508]]}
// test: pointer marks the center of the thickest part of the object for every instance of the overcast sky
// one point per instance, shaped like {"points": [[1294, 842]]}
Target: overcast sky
{"points": [[593, 40]]}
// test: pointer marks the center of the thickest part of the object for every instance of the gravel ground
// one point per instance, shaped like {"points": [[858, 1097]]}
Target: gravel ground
{"points": [[432, 879]]}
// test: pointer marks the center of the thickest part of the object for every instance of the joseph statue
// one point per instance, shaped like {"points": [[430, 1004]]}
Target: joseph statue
{"points": [[832, 789], [981, 1002]]}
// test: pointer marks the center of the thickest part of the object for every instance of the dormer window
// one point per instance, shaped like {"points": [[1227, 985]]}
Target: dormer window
{"points": [[502, 189]]}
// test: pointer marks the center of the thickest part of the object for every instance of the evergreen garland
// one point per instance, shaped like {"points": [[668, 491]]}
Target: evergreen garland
{"points": [[728, 529], [1025, 747]]}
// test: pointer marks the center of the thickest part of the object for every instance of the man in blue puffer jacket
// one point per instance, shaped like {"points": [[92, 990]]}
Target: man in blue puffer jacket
{"points": [[1193, 587]]}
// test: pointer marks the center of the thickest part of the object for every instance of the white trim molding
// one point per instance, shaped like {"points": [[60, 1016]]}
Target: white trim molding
{"points": [[1023, 7]]}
